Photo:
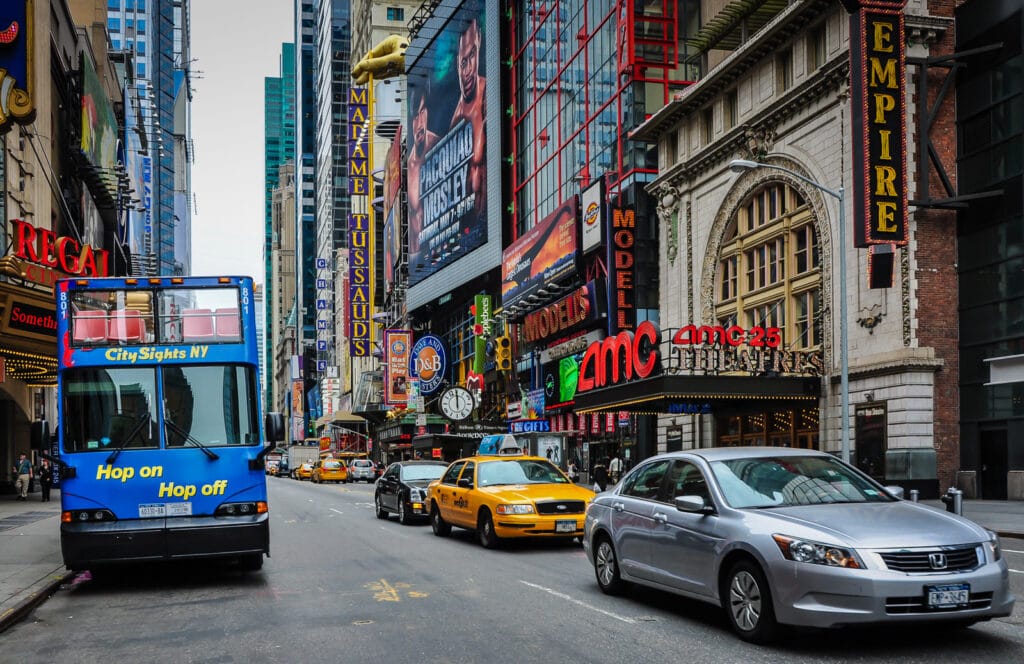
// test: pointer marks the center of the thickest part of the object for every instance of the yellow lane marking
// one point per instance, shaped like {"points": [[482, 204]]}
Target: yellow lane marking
{"points": [[383, 591]]}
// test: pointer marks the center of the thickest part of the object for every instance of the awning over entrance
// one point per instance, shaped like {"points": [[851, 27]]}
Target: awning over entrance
{"points": [[670, 394], [340, 417]]}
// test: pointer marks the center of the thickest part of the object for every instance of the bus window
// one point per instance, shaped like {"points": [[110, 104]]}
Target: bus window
{"points": [[106, 409], [211, 405], [200, 315]]}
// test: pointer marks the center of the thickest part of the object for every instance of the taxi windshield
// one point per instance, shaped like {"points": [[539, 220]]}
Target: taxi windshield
{"points": [[331, 465], [519, 471]]}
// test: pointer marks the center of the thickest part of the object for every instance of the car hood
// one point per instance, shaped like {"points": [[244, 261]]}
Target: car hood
{"points": [[898, 524], [537, 492]]}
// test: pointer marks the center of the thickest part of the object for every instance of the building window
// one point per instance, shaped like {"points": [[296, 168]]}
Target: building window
{"points": [[707, 125], [784, 69], [730, 109], [773, 243], [114, 24], [816, 47], [672, 148], [114, 5], [141, 70], [396, 14], [141, 27]]}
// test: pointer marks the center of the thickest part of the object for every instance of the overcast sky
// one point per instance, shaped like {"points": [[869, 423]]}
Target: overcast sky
{"points": [[236, 43]]}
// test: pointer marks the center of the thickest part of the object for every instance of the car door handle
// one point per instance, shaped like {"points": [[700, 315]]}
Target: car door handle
{"points": [[618, 507], [661, 518]]}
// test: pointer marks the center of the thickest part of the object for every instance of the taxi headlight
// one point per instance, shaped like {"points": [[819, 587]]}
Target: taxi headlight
{"points": [[816, 553], [515, 509]]}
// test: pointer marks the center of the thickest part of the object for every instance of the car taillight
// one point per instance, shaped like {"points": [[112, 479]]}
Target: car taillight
{"points": [[82, 516], [241, 509]]}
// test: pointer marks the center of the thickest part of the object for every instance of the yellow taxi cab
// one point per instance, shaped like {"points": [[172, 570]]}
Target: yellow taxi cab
{"points": [[304, 471], [329, 470], [505, 494]]}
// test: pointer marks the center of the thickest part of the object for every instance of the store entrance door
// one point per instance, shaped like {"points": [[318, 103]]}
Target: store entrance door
{"points": [[994, 459]]}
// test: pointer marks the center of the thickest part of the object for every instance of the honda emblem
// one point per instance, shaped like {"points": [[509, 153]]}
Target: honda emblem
{"points": [[937, 560]]}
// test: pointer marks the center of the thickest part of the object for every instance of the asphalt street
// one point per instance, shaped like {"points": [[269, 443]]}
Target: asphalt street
{"points": [[343, 586]]}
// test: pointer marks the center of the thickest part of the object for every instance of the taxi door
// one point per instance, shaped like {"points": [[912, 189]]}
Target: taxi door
{"points": [[464, 505], [444, 491]]}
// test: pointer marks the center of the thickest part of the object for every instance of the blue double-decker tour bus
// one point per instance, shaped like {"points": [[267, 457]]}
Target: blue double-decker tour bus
{"points": [[161, 452]]}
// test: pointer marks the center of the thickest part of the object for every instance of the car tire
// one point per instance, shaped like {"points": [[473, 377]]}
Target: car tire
{"points": [[606, 567], [379, 508], [403, 513], [485, 531], [748, 603], [441, 527], [252, 562]]}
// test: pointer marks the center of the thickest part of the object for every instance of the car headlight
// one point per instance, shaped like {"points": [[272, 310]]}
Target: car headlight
{"points": [[992, 546], [515, 509], [816, 553], [417, 494]]}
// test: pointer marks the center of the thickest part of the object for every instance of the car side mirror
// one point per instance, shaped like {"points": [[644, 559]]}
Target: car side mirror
{"points": [[273, 427], [693, 505], [895, 491], [466, 483]]}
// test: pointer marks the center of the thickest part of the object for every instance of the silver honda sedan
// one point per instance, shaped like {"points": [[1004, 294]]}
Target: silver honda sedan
{"points": [[782, 536]]}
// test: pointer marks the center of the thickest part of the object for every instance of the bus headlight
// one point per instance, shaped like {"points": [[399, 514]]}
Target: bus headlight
{"points": [[242, 509]]}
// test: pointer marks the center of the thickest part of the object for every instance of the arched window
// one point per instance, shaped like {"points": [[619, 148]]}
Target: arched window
{"points": [[769, 268]]}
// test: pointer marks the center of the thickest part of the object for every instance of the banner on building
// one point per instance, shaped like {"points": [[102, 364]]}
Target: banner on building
{"points": [[397, 345], [621, 272], [544, 254], [99, 127], [17, 80], [360, 268], [483, 328], [592, 208]]}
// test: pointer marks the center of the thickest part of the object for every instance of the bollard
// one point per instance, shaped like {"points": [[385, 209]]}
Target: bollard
{"points": [[914, 493], [954, 501]]}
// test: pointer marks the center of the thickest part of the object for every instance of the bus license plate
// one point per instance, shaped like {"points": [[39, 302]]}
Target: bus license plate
{"points": [[565, 526], [152, 510], [179, 509], [948, 595]]}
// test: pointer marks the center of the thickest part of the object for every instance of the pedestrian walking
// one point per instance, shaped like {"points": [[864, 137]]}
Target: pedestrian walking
{"points": [[45, 473], [574, 472], [600, 476], [615, 469], [23, 472]]}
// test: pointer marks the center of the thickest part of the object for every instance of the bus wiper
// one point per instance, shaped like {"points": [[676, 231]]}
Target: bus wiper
{"points": [[131, 434], [188, 438]]}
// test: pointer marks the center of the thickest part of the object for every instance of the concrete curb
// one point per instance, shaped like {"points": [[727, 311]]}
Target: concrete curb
{"points": [[39, 592]]}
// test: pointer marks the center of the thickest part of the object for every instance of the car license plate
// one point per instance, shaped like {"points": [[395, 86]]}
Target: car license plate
{"points": [[948, 595], [565, 526], [152, 510]]}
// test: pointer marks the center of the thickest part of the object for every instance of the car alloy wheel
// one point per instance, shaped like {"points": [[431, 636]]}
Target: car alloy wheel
{"points": [[403, 514], [749, 604], [381, 512], [606, 568], [437, 522], [485, 531]]}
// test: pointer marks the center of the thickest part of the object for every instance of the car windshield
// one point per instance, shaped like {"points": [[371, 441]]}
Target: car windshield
{"points": [[792, 480], [425, 472], [519, 471], [362, 464]]}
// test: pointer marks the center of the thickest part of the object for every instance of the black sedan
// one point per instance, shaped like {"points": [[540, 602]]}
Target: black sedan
{"points": [[403, 488]]}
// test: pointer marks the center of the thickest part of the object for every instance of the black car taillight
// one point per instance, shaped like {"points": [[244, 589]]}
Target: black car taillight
{"points": [[242, 509], [83, 516]]}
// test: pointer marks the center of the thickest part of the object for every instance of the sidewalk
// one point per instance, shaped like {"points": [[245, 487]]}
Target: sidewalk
{"points": [[31, 567]]}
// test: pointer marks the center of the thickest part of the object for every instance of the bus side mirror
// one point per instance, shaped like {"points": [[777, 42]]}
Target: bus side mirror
{"points": [[273, 427], [39, 436]]}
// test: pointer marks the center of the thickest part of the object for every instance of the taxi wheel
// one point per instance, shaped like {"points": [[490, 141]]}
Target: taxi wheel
{"points": [[381, 512], [606, 567], [748, 603], [441, 527], [485, 531], [403, 514]]}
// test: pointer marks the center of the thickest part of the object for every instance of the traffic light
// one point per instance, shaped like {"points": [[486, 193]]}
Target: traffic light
{"points": [[503, 353]]}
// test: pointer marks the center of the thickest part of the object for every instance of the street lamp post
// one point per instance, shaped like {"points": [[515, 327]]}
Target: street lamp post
{"points": [[740, 165]]}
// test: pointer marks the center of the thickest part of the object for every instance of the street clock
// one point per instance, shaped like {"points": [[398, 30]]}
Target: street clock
{"points": [[457, 403]]}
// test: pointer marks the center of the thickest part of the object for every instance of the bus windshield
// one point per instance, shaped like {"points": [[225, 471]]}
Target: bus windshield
{"points": [[212, 405], [108, 408]]}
